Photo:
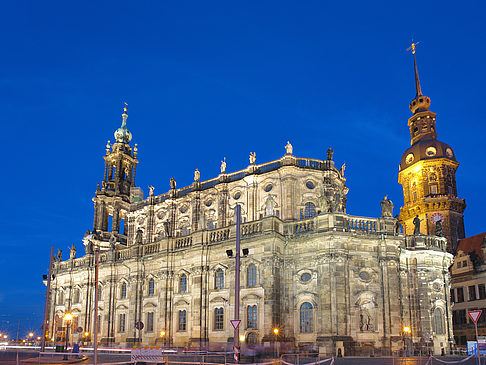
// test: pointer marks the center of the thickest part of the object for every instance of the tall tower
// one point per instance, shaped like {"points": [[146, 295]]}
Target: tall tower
{"points": [[112, 201], [427, 175]]}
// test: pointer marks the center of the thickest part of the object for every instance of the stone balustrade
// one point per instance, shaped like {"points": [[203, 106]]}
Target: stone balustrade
{"points": [[338, 222]]}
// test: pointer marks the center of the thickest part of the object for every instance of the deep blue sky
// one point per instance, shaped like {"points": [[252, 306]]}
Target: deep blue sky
{"points": [[205, 80]]}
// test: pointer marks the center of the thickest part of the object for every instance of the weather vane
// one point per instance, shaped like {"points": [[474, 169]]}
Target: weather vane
{"points": [[412, 47]]}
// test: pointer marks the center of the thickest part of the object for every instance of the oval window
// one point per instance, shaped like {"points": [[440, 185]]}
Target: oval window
{"points": [[430, 151], [363, 275], [449, 153], [268, 188], [409, 158], [184, 208], [305, 277], [237, 196], [310, 185], [209, 202]]}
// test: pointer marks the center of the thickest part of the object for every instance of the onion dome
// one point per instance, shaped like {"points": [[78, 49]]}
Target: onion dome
{"points": [[122, 134]]}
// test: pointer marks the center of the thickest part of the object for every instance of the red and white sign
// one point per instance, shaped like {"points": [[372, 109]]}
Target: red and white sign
{"points": [[235, 323], [475, 315]]}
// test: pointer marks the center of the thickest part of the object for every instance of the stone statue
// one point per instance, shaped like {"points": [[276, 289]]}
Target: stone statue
{"points": [[172, 183], [112, 242], [386, 208], [72, 253], [269, 206], [416, 223], [89, 247], [343, 167], [151, 190], [197, 175], [330, 152], [87, 233], [289, 149], [397, 225], [252, 158], [438, 228], [223, 166], [166, 229], [59, 254], [139, 237]]}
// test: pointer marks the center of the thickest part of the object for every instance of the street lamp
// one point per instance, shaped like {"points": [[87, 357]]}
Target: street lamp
{"points": [[275, 332], [68, 317], [162, 334], [406, 331]]}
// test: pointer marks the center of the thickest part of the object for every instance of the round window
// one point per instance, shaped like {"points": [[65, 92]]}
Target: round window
{"points": [[209, 202], [363, 275], [237, 196], [268, 188], [184, 208], [305, 277], [449, 153], [310, 185], [430, 151], [409, 158]]}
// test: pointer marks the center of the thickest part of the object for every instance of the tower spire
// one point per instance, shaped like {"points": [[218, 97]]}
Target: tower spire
{"points": [[418, 89], [122, 134]]}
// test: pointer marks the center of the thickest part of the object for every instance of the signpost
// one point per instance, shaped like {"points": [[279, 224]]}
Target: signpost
{"points": [[474, 315], [236, 347]]}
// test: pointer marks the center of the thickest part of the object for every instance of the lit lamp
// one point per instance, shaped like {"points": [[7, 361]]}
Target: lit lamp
{"points": [[275, 332], [68, 317], [242, 338], [162, 334], [406, 331]]}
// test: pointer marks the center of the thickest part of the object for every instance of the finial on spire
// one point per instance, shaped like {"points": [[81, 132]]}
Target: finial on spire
{"points": [[122, 134], [125, 108]]}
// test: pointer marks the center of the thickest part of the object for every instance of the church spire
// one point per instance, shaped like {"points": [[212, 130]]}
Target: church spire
{"points": [[420, 103], [122, 134]]}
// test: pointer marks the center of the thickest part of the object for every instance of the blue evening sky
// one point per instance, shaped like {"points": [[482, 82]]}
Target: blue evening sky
{"points": [[211, 79]]}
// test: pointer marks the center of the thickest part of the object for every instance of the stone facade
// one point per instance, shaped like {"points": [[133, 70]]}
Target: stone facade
{"points": [[323, 277]]}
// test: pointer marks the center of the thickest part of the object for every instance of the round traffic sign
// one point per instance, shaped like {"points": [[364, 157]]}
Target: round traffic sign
{"points": [[79, 329], [139, 325]]}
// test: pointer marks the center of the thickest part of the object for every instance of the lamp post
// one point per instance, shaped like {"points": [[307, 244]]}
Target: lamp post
{"points": [[406, 331], [68, 318], [162, 334], [275, 332]]}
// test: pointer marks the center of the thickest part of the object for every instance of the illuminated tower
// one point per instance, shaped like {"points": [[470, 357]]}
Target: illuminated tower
{"points": [[427, 175], [112, 201]]}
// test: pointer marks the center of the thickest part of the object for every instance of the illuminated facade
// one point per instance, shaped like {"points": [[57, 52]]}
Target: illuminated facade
{"points": [[427, 175], [324, 277]]}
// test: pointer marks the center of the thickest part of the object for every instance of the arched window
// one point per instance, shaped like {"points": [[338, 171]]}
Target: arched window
{"points": [[61, 297], [438, 322], [306, 318], [100, 293], [76, 295], [252, 338], [251, 276], [251, 316], [218, 319], [151, 287], [182, 320], [310, 210], [123, 292], [183, 284], [219, 279]]}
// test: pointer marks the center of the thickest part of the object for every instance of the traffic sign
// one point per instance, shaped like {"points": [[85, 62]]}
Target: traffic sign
{"points": [[79, 329], [235, 323], [139, 325], [474, 315]]}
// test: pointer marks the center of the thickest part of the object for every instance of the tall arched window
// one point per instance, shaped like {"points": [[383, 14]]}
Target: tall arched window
{"points": [[251, 276], [151, 287], [306, 318], [219, 319], [123, 292], [251, 316], [183, 284], [182, 320], [76, 295], [438, 322], [219, 279], [310, 210], [100, 293]]}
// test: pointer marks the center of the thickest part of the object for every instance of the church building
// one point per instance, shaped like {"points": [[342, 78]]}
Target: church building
{"points": [[330, 280]]}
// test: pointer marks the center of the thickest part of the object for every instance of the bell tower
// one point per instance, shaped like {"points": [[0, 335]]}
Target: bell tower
{"points": [[427, 175], [112, 201]]}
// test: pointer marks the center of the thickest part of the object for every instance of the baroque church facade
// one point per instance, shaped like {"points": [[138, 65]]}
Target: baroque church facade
{"points": [[323, 277]]}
